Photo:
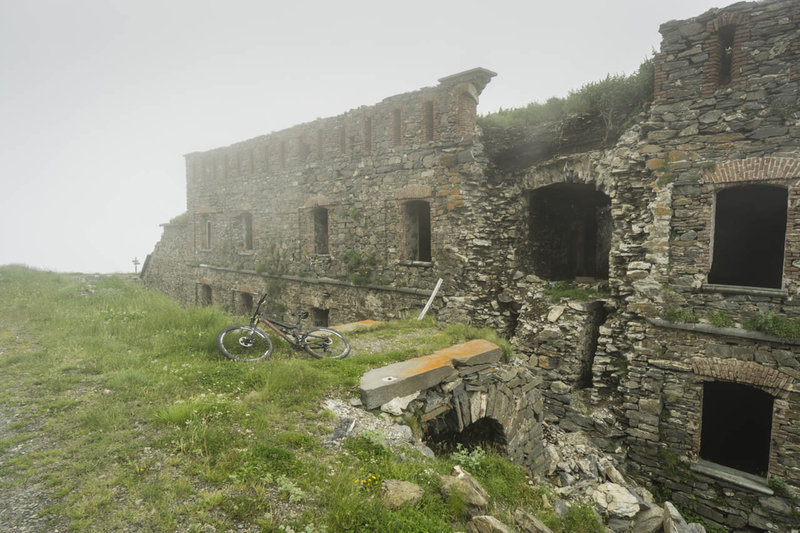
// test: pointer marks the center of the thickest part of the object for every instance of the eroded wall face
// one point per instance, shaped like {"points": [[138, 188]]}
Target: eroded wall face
{"points": [[723, 117]]}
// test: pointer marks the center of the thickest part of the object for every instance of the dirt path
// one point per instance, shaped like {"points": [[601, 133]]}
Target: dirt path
{"points": [[23, 499]]}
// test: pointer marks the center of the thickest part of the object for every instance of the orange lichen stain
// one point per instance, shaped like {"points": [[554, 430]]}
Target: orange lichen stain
{"points": [[445, 356], [354, 325]]}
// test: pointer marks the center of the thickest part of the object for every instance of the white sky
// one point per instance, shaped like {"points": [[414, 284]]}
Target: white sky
{"points": [[100, 99]]}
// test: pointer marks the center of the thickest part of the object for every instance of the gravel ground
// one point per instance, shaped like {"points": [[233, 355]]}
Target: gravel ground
{"points": [[22, 496]]}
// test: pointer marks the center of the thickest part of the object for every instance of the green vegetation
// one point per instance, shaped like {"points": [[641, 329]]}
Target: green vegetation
{"points": [[721, 319], [676, 314], [781, 326], [360, 267], [616, 99], [180, 219], [131, 420], [570, 290]]}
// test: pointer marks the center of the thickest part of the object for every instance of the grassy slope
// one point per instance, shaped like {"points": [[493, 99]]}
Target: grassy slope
{"points": [[142, 425]]}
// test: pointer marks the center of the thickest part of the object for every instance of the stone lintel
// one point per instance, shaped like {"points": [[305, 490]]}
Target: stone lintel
{"points": [[380, 385]]}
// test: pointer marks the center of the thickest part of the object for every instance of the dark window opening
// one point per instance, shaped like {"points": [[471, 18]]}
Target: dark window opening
{"points": [[205, 297], [206, 225], [749, 234], [428, 121], [367, 134], [486, 433], [737, 423], [244, 304], [418, 230], [303, 150], [569, 228], [320, 216], [396, 127], [247, 231], [319, 317], [726, 35]]}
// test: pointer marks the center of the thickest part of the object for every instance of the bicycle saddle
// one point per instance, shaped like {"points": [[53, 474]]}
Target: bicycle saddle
{"points": [[301, 314]]}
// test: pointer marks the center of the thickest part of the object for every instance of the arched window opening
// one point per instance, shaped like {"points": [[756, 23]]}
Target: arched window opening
{"points": [[726, 37], [320, 216], [737, 424], [418, 230], [247, 231], [569, 232], [486, 433], [749, 235]]}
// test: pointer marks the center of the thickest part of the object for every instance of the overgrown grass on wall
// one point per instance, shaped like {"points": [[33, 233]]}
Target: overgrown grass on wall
{"points": [[616, 99]]}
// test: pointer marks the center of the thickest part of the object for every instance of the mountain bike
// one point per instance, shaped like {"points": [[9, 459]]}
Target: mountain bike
{"points": [[249, 343]]}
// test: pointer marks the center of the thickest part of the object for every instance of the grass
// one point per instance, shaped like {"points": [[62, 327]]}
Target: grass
{"points": [[617, 99], [134, 421], [781, 326]]}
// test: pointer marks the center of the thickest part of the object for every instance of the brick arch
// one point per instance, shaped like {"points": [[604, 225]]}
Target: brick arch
{"points": [[753, 169], [768, 379]]}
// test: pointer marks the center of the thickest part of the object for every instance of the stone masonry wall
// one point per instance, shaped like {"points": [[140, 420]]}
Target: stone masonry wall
{"points": [[327, 215]]}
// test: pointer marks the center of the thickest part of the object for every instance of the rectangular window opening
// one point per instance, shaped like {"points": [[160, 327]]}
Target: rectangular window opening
{"points": [[367, 134], [726, 37], [418, 230], [244, 304], [749, 236], [428, 121], [319, 317], [320, 216], [247, 231], [396, 128], [736, 426], [205, 296]]}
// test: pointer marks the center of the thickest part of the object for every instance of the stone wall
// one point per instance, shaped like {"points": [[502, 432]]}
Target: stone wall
{"points": [[333, 215]]}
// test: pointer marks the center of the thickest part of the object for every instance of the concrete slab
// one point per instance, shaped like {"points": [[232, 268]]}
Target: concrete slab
{"points": [[380, 385]]}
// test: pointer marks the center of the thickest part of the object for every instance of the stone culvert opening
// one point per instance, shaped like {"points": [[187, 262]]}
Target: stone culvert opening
{"points": [[569, 232], [486, 433]]}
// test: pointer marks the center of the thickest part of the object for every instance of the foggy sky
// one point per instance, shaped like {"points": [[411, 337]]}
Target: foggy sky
{"points": [[100, 99]]}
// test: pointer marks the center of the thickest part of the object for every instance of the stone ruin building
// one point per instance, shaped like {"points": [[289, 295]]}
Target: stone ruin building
{"points": [[683, 231]]}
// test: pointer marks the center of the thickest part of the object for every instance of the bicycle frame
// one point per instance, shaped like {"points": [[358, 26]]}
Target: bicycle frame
{"points": [[290, 334]]}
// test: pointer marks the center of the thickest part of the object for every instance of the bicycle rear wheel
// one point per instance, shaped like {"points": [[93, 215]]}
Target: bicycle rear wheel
{"points": [[324, 343], [244, 343]]}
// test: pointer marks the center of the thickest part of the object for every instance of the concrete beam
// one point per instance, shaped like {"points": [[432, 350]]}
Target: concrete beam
{"points": [[380, 385]]}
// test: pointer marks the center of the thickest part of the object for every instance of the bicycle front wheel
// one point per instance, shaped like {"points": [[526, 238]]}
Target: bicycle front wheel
{"points": [[324, 343], [244, 343]]}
